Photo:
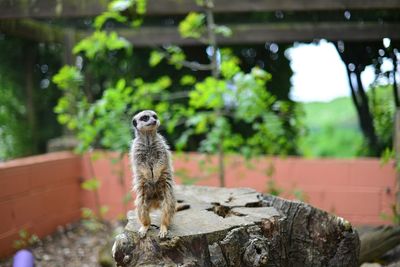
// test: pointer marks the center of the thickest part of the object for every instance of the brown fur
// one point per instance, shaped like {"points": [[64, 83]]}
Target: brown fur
{"points": [[152, 171]]}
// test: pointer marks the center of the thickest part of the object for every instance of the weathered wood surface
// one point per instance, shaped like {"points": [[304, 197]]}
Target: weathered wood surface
{"points": [[256, 33], [375, 243], [79, 8], [240, 227]]}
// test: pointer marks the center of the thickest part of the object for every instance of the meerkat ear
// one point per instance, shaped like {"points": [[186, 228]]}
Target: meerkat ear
{"points": [[134, 123]]}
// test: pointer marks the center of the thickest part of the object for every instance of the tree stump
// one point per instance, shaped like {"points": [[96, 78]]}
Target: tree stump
{"points": [[239, 227]]}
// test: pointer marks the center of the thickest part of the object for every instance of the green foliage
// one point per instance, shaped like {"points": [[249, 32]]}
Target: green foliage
{"points": [[223, 30], [233, 111], [176, 56], [300, 195], [116, 7], [185, 177], [383, 112], [100, 42], [91, 184], [90, 220], [14, 136], [387, 155], [26, 118], [155, 58], [394, 217], [26, 239], [139, 6], [188, 80], [69, 107], [68, 78], [332, 130], [193, 26], [108, 15], [105, 121], [273, 189]]}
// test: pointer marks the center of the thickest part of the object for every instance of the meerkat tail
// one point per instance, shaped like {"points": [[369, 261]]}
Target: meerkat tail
{"points": [[182, 207]]}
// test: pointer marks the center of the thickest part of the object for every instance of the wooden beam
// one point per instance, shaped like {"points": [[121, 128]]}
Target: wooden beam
{"points": [[279, 33], [35, 30], [242, 33], [79, 8]]}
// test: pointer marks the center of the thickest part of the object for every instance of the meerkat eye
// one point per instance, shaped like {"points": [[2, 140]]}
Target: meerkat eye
{"points": [[144, 118], [155, 117]]}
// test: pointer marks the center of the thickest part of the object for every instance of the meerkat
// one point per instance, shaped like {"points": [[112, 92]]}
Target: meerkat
{"points": [[152, 173]]}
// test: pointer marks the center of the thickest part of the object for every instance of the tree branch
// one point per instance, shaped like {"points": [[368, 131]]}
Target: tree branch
{"points": [[194, 65]]}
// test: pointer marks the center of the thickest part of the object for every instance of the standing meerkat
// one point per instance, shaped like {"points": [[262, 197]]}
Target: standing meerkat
{"points": [[152, 172]]}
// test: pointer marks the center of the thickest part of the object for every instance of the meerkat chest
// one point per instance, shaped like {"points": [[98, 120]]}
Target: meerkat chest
{"points": [[149, 159], [151, 154]]}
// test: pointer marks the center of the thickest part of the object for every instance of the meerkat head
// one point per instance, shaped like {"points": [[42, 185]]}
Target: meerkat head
{"points": [[146, 121]]}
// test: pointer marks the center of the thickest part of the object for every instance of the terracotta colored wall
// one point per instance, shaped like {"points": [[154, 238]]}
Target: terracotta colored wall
{"points": [[359, 190], [111, 192], [38, 194]]}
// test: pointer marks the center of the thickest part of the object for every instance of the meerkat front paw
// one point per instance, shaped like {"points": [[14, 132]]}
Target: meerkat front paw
{"points": [[163, 232], [143, 231]]}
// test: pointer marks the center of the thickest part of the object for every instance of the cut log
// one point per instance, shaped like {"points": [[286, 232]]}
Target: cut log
{"points": [[375, 243], [239, 227]]}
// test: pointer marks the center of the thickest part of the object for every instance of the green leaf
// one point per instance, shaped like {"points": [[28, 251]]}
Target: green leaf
{"points": [[104, 210], [18, 244], [208, 94], [193, 26], [141, 6], [155, 58], [92, 225], [68, 77], [229, 69], [120, 5], [87, 213], [200, 2], [187, 80], [91, 184], [127, 198], [99, 43], [63, 118], [176, 56], [387, 155], [108, 15], [23, 233], [182, 140], [34, 239], [223, 30]]}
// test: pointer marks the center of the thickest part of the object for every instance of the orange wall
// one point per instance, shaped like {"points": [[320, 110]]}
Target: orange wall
{"points": [[359, 190], [38, 193]]}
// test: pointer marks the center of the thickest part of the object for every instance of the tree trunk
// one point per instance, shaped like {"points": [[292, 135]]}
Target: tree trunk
{"points": [[215, 71], [395, 87], [240, 227], [360, 100], [375, 244], [30, 55]]}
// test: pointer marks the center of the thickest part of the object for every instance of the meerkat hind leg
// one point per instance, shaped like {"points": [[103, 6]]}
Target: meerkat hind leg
{"points": [[144, 218], [168, 210]]}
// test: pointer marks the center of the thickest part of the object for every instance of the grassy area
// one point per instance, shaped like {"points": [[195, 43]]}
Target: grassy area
{"points": [[333, 129]]}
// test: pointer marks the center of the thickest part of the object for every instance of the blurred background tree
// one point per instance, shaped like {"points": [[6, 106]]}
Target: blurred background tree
{"points": [[227, 111], [27, 96], [105, 61]]}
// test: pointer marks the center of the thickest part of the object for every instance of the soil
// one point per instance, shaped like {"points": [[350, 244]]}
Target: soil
{"points": [[73, 245]]}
